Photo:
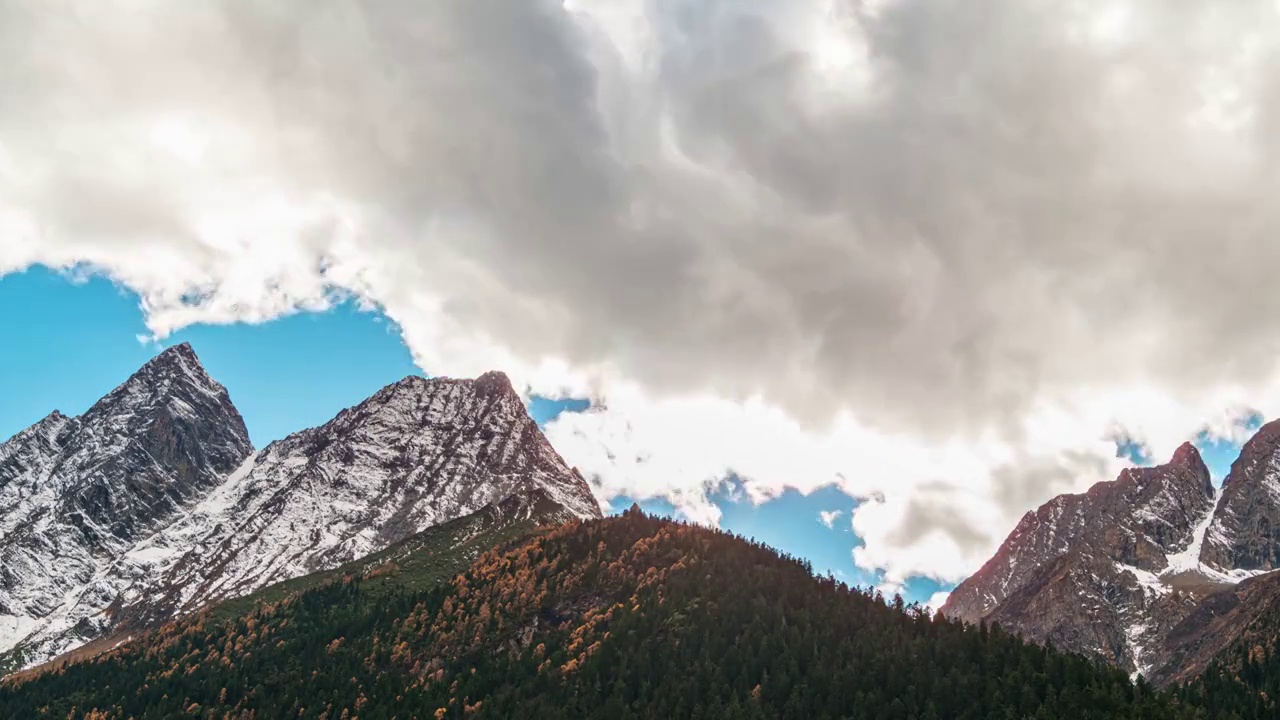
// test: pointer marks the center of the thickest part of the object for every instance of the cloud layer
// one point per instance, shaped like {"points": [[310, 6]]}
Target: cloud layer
{"points": [[941, 254]]}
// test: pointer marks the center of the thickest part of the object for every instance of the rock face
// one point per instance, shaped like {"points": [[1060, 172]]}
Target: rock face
{"points": [[417, 453], [76, 493], [1119, 572], [1138, 520], [153, 502], [1245, 533], [1084, 571], [1247, 613]]}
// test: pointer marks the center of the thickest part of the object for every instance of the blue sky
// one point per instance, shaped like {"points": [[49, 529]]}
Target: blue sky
{"points": [[69, 340], [73, 339]]}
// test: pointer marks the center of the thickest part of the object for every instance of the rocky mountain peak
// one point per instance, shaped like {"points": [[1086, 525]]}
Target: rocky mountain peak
{"points": [[416, 389], [1185, 472], [179, 364], [1133, 524], [153, 503], [1143, 556], [178, 361], [182, 353], [1244, 535], [419, 452], [175, 411], [76, 493], [174, 382], [47, 428], [495, 383], [1187, 456], [1260, 450]]}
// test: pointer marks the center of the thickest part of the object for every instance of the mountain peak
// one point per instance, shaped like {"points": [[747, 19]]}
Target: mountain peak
{"points": [[177, 357], [174, 375], [181, 350], [1187, 457], [50, 422], [1186, 454], [1139, 520], [495, 382], [1257, 449], [1239, 537], [492, 384], [181, 356], [489, 385]]}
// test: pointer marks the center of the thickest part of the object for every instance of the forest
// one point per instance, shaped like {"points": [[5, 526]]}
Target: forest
{"points": [[627, 617]]}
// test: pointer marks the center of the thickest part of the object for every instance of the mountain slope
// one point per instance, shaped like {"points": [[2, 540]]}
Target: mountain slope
{"points": [[1244, 536], [1247, 615], [424, 559], [419, 562], [417, 453], [626, 617], [159, 505], [1139, 520], [76, 493], [1136, 570], [1102, 572]]}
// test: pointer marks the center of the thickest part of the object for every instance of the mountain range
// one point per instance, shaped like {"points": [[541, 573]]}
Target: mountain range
{"points": [[1156, 572], [154, 503], [427, 553], [627, 617]]}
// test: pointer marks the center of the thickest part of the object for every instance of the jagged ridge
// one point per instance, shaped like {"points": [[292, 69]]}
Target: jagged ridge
{"points": [[77, 492], [1136, 582], [153, 503]]}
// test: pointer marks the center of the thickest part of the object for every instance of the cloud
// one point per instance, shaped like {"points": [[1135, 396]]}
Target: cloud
{"points": [[829, 517], [937, 600], [939, 254]]}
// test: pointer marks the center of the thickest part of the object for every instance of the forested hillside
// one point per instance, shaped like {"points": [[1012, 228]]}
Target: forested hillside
{"points": [[627, 617]]}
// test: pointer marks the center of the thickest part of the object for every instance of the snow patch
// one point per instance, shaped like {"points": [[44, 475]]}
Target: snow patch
{"points": [[1147, 580], [1133, 634], [13, 628], [1189, 559]]}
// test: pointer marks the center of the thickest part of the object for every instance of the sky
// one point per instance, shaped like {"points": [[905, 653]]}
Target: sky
{"points": [[75, 336], [943, 257]]}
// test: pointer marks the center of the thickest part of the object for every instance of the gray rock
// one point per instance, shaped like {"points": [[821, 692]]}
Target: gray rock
{"points": [[153, 502]]}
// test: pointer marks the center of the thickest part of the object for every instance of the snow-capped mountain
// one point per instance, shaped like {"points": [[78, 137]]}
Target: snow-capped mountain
{"points": [[1138, 520], [76, 493], [417, 453], [1117, 572], [1244, 536], [153, 502]]}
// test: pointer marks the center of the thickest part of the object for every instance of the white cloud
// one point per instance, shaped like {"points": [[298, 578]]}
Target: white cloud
{"points": [[937, 600], [889, 589], [829, 517], [773, 239]]}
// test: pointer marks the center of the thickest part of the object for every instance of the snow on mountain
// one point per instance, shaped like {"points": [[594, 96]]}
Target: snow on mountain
{"points": [[417, 453], [1244, 536], [1140, 519], [75, 493], [153, 503], [1116, 571]]}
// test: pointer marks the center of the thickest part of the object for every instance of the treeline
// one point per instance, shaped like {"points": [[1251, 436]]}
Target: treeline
{"points": [[622, 618], [1245, 683]]}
